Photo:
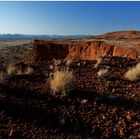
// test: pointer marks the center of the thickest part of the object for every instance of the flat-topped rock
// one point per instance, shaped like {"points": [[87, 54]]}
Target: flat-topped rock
{"points": [[79, 50]]}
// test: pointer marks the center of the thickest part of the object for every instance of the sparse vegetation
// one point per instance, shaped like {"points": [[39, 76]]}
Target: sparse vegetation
{"points": [[56, 62], [29, 70], [133, 73], [11, 69], [68, 61], [14, 50], [61, 81], [102, 73], [19, 72], [99, 60], [1, 76], [38, 95]]}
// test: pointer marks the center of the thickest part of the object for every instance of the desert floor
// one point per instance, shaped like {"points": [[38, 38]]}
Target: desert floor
{"points": [[94, 107]]}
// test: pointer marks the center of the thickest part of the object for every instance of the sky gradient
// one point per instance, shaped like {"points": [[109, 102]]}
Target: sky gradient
{"points": [[68, 18]]}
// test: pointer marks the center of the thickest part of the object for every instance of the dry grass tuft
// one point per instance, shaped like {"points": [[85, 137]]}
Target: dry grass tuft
{"points": [[19, 72], [2, 76], [102, 73], [56, 62], [28, 71], [68, 61], [61, 81], [11, 69], [99, 60], [133, 73]]}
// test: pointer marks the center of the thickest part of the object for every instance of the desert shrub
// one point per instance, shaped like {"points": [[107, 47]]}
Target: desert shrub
{"points": [[55, 65], [99, 60], [61, 81], [28, 70], [133, 73], [11, 69], [19, 72], [56, 62], [2, 76], [68, 61], [102, 73]]}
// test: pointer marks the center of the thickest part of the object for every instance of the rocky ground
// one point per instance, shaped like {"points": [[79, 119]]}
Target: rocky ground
{"points": [[95, 107]]}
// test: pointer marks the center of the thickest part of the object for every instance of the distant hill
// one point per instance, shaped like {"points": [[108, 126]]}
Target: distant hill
{"points": [[23, 36], [128, 34]]}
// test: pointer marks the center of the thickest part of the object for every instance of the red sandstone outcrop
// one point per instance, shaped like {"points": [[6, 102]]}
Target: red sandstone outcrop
{"points": [[43, 50], [89, 50], [125, 52], [121, 43], [81, 50]]}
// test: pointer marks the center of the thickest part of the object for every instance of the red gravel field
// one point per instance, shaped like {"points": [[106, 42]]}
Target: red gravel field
{"points": [[100, 102]]}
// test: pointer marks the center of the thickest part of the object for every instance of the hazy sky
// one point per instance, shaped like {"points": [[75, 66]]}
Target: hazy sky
{"points": [[68, 18]]}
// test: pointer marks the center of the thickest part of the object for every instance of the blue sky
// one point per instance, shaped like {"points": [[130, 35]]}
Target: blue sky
{"points": [[68, 18]]}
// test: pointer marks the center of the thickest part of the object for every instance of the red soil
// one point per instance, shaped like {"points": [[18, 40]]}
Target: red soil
{"points": [[129, 34], [95, 107]]}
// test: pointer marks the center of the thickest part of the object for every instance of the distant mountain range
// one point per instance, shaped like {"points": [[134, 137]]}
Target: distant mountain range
{"points": [[23, 36]]}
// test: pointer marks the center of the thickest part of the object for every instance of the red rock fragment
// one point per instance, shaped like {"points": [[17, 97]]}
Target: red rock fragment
{"points": [[122, 132], [129, 117]]}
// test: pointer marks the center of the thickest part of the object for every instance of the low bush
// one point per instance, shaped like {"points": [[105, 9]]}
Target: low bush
{"points": [[133, 73], [61, 81], [102, 73]]}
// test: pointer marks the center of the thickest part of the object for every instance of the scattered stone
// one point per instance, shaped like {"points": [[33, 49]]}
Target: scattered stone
{"points": [[129, 117], [84, 101], [122, 132], [62, 121]]}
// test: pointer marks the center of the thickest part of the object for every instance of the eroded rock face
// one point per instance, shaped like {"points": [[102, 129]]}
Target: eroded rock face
{"points": [[81, 50], [43, 50], [125, 52], [89, 50]]}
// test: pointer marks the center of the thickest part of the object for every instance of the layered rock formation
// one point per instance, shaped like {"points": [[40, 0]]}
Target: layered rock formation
{"points": [[89, 50], [125, 52], [121, 43], [47, 50], [79, 50]]}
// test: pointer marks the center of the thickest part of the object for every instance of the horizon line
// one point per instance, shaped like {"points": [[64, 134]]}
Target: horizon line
{"points": [[45, 34], [67, 34]]}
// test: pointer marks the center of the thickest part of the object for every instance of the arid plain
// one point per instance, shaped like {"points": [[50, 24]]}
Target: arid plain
{"points": [[71, 88]]}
